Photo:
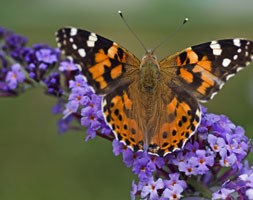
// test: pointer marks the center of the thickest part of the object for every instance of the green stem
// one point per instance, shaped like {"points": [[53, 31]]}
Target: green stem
{"points": [[198, 186]]}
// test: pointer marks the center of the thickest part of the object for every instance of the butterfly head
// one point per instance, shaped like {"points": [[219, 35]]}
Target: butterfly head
{"points": [[149, 57]]}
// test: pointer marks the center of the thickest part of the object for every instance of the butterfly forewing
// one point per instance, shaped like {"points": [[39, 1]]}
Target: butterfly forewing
{"points": [[203, 69], [103, 62]]}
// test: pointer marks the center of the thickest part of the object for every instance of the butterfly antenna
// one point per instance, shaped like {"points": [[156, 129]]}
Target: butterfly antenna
{"points": [[171, 35], [131, 30]]}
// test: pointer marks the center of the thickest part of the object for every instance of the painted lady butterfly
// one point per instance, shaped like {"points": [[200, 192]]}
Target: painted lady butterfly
{"points": [[146, 102]]}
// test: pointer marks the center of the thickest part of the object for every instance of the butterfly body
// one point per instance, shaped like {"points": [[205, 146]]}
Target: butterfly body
{"points": [[149, 103], [149, 73]]}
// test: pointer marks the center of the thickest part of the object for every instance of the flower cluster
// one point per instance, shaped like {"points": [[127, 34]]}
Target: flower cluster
{"points": [[218, 145], [37, 61], [210, 165]]}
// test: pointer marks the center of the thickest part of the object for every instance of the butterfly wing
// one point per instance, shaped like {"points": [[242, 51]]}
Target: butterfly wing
{"points": [[194, 74], [123, 109], [175, 118], [203, 69], [102, 61], [112, 71]]}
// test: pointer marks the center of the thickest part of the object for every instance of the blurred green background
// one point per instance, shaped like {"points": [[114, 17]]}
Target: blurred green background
{"points": [[37, 163]]}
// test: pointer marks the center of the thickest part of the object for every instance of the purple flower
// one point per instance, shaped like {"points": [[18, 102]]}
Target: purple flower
{"points": [[70, 108], [129, 157], [180, 158], [203, 160], [90, 118], [63, 124], [78, 82], [173, 193], [46, 56], [174, 179], [133, 191], [216, 143], [222, 194], [67, 66], [15, 41], [192, 147], [150, 189], [227, 160], [118, 147], [15, 76], [58, 107], [143, 167], [248, 179], [249, 193], [79, 96], [189, 167], [43, 66], [157, 161], [53, 83]]}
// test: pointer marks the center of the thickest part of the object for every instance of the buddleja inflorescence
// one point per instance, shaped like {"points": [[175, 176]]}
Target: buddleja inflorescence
{"points": [[211, 165]]}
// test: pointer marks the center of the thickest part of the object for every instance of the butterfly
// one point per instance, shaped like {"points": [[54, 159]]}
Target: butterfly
{"points": [[149, 104]]}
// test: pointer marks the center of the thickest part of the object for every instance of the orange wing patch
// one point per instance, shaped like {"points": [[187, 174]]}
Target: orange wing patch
{"points": [[187, 76], [108, 66], [116, 71]]}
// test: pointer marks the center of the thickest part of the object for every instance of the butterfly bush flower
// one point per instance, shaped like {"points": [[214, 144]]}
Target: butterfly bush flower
{"points": [[212, 164], [15, 76]]}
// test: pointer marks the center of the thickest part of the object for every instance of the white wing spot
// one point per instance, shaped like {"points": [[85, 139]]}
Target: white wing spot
{"points": [[251, 57], [217, 52], [226, 62], [246, 53], [92, 39], [216, 48], [71, 40], [73, 31], [93, 34], [221, 86], [74, 46], [80, 69], [239, 69], [90, 43], [82, 52], [239, 50], [237, 42], [229, 76], [213, 95], [235, 57], [70, 58]]}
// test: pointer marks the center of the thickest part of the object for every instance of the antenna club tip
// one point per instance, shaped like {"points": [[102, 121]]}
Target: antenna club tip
{"points": [[186, 20], [120, 13]]}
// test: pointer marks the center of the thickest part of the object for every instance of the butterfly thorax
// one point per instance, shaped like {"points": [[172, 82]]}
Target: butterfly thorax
{"points": [[149, 73]]}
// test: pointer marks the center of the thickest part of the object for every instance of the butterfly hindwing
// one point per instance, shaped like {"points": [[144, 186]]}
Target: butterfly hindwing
{"points": [[102, 61], [123, 113], [178, 119], [203, 69]]}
